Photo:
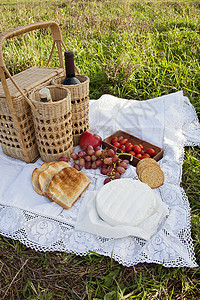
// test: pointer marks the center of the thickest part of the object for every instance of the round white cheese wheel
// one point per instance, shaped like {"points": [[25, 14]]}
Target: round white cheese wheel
{"points": [[125, 202]]}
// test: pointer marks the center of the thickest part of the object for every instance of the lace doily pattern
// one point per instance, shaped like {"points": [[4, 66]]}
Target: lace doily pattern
{"points": [[171, 245]]}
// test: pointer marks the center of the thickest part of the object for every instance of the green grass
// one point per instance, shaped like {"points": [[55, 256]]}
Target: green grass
{"points": [[132, 49]]}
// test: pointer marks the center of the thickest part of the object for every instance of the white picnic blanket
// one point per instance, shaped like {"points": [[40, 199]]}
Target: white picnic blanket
{"points": [[169, 122]]}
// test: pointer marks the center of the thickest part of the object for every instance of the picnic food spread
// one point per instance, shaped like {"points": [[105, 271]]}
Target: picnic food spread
{"points": [[58, 112], [63, 183], [43, 134]]}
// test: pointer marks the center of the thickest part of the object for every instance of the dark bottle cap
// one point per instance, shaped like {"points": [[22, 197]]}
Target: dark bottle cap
{"points": [[69, 63]]}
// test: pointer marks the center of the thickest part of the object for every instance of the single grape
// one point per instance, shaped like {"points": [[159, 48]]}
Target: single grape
{"points": [[107, 180], [126, 161], [123, 164], [99, 162], [93, 157], [87, 158], [115, 158], [108, 160], [82, 153], [81, 162], [77, 167], [104, 165], [121, 170], [104, 153], [114, 149], [90, 150], [109, 171], [74, 156], [111, 152], [88, 165], [104, 171], [117, 175], [94, 166], [98, 152]]}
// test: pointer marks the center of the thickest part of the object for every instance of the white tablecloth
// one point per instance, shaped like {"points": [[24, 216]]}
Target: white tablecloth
{"points": [[169, 122]]}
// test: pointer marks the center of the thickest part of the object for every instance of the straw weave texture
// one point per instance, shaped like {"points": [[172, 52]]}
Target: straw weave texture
{"points": [[80, 105], [27, 80], [53, 124], [17, 136]]}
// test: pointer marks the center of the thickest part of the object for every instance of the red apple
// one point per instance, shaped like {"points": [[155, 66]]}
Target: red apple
{"points": [[87, 138]]}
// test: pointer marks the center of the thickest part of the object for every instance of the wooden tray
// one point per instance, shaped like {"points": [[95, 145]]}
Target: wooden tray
{"points": [[106, 143]]}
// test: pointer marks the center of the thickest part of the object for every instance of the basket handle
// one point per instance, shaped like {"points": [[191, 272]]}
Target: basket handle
{"points": [[57, 37], [30, 27]]}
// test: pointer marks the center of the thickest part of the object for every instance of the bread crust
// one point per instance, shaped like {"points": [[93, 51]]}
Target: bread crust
{"points": [[45, 176], [35, 175], [59, 182], [66, 186]]}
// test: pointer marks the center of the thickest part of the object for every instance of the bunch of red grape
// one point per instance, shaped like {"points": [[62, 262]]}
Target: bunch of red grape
{"points": [[107, 160]]}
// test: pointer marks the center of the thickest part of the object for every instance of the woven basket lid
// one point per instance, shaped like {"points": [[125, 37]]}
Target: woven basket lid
{"points": [[29, 79]]}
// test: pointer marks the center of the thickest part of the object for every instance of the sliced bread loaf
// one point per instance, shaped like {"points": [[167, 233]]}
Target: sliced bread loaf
{"points": [[35, 175], [66, 186], [45, 176]]}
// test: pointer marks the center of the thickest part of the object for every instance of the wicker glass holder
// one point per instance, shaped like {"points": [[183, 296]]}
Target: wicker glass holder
{"points": [[80, 104], [53, 124], [17, 135]]}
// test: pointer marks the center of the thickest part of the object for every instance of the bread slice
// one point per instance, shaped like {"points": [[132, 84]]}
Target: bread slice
{"points": [[66, 186], [35, 175], [45, 176]]}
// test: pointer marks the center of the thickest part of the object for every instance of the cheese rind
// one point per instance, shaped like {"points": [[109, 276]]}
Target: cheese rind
{"points": [[125, 202]]}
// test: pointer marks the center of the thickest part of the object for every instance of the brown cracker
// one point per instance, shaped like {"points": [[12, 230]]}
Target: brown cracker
{"points": [[152, 175], [145, 162], [146, 166]]}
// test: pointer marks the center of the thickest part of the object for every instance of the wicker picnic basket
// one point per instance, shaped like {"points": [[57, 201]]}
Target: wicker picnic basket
{"points": [[80, 104], [53, 124], [17, 134]]}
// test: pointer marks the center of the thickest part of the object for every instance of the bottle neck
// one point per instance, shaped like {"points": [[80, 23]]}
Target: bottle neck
{"points": [[69, 64], [70, 75]]}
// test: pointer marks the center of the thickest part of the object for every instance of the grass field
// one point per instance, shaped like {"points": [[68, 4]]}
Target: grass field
{"points": [[132, 49]]}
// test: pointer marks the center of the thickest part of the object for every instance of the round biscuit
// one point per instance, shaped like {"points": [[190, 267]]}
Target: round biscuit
{"points": [[145, 162], [153, 176], [146, 165]]}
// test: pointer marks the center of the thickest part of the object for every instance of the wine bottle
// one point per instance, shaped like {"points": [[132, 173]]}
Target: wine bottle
{"points": [[70, 70], [45, 95]]}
